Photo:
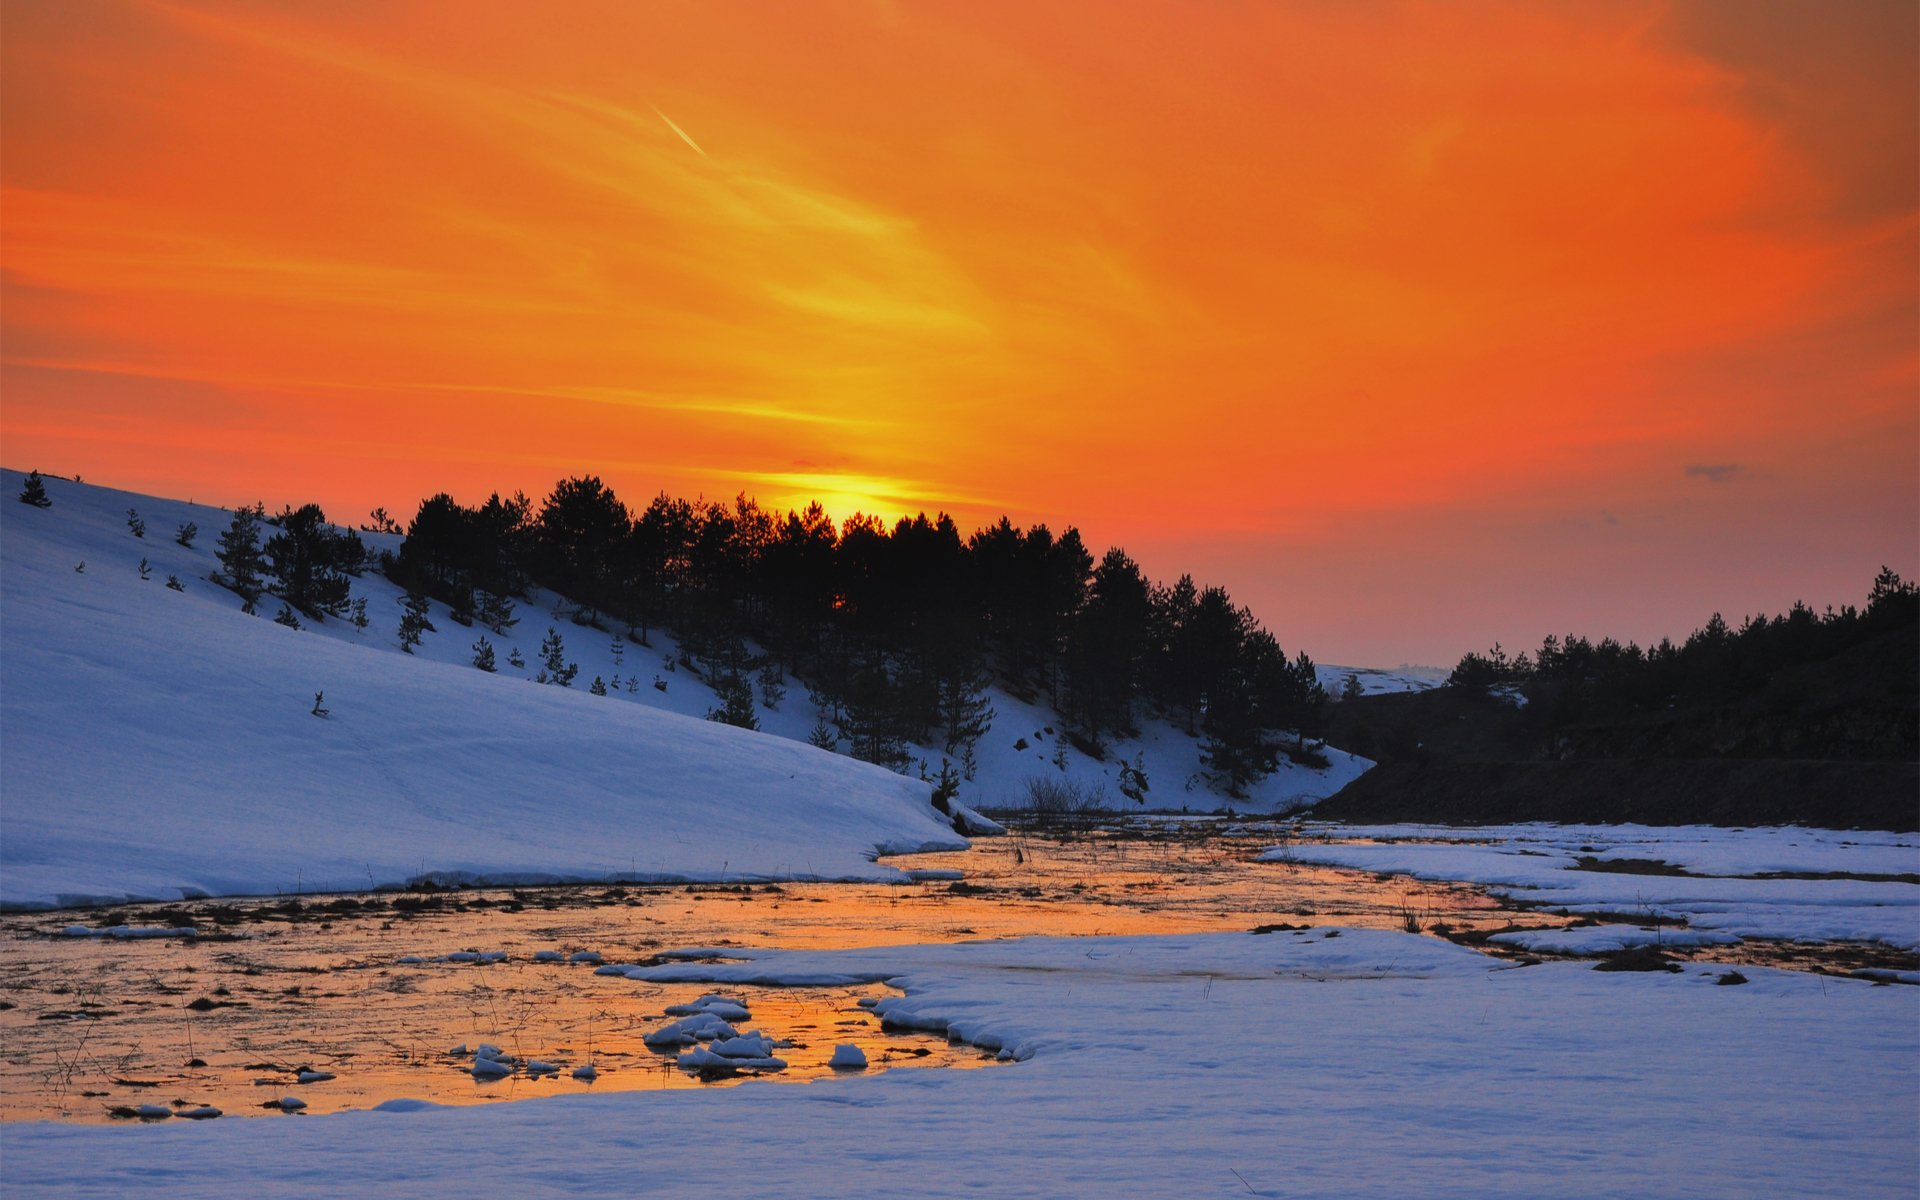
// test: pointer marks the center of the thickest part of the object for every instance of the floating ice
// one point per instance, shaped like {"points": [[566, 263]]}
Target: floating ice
{"points": [[848, 1057]]}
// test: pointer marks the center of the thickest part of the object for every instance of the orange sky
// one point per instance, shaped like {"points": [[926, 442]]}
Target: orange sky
{"points": [[1415, 325]]}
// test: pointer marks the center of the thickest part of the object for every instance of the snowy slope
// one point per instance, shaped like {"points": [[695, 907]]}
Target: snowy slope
{"points": [[1342, 1063], [1003, 764], [1376, 681], [155, 742]]}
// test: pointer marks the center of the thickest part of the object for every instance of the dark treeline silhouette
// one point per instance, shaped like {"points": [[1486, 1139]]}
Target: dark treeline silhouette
{"points": [[896, 632], [1586, 680]]}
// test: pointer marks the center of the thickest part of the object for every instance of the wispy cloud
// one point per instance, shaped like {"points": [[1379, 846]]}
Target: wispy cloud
{"points": [[1715, 472], [683, 133]]}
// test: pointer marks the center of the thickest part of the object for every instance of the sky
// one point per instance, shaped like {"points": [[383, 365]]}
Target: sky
{"points": [[1417, 326]]}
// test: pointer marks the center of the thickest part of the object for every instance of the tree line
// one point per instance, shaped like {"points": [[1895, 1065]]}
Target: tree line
{"points": [[1715, 663], [896, 631]]}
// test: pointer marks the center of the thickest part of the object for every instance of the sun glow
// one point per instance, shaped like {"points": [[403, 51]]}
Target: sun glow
{"points": [[1268, 292]]}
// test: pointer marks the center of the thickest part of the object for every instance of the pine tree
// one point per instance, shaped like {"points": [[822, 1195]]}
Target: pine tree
{"points": [[186, 533], [239, 554], [320, 708], [1133, 779], [483, 655], [496, 612], [553, 658], [359, 610], [736, 703], [773, 684], [946, 787], [35, 492], [598, 687], [146, 569], [306, 555], [286, 617], [822, 736], [619, 650], [135, 524], [173, 581], [414, 622]]}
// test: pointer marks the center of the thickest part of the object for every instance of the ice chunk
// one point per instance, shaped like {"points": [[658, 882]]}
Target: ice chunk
{"points": [[702, 1027], [848, 1057]]}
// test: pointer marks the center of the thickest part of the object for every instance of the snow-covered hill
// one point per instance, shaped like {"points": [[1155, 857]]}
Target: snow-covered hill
{"points": [[155, 742], [145, 729], [1375, 681]]}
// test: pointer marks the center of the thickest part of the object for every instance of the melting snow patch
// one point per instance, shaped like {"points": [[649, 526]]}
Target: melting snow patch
{"points": [[702, 1027], [724, 1007], [1607, 939], [129, 931], [847, 1057]]}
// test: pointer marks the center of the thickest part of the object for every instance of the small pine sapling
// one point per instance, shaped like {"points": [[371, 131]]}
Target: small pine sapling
{"points": [[186, 533], [659, 684], [514, 659], [496, 612], [320, 708], [1133, 779], [414, 622], [598, 687], [358, 609], [553, 656], [134, 523], [483, 655], [80, 568], [736, 703], [633, 685], [823, 737], [173, 581], [946, 787], [146, 569], [619, 650], [285, 617], [773, 684], [35, 492]]}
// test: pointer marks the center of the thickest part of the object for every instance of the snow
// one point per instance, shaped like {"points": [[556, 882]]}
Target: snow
{"points": [[723, 1007], [1371, 1063], [159, 744], [1538, 864], [1606, 939], [1376, 681], [848, 1057]]}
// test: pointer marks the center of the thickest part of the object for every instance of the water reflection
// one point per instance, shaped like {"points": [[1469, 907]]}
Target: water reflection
{"points": [[273, 986]]}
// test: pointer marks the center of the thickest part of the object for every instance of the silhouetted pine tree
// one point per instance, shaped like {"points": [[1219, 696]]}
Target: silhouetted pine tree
{"points": [[34, 492], [414, 621], [241, 563]]}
